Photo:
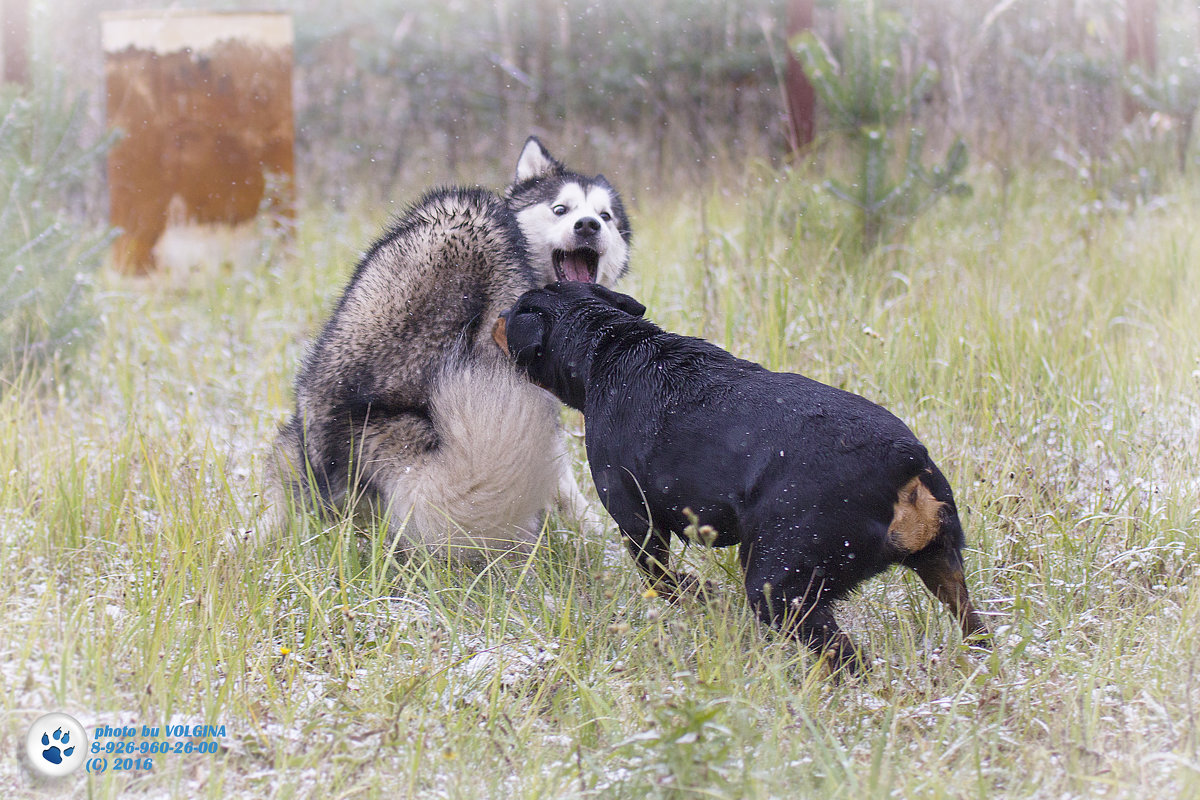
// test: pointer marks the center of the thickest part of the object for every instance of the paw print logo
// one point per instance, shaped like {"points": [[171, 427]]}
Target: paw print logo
{"points": [[56, 745], [52, 753]]}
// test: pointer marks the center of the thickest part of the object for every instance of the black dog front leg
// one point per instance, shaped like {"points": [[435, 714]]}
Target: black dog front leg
{"points": [[815, 626], [652, 554]]}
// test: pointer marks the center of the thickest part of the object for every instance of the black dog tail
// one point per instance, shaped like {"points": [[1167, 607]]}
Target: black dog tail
{"points": [[923, 513], [907, 459], [925, 491]]}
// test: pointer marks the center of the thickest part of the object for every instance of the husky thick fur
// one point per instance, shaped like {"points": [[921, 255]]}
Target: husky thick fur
{"points": [[406, 407]]}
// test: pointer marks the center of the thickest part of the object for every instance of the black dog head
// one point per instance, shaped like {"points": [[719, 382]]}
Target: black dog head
{"points": [[550, 333]]}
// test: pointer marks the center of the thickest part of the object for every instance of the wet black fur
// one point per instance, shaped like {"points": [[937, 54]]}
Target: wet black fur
{"points": [[801, 475]]}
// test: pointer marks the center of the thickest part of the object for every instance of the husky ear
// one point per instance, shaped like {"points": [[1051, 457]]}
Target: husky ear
{"points": [[622, 302], [535, 161]]}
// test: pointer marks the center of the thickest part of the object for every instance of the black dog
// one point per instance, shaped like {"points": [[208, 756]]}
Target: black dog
{"points": [[820, 487]]}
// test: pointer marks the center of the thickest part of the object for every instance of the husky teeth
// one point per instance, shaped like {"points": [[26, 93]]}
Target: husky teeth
{"points": [[576, 265]]}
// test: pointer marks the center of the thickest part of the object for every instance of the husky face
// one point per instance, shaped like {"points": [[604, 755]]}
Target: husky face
{"points": [[575, 226]]}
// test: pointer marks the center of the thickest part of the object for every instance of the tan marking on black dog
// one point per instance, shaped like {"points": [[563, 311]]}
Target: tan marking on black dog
{"points": [[916, 519], [500, 334]]}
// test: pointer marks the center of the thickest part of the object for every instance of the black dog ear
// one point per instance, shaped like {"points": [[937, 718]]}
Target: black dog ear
{"points": [[617, 300], [526, 335]]}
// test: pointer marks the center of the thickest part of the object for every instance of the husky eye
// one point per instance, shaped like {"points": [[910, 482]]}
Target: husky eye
{"points": [[559, 210], [607, 217]]}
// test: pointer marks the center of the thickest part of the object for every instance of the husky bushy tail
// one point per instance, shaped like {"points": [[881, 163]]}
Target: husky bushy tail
{"points": [[480, 487]]}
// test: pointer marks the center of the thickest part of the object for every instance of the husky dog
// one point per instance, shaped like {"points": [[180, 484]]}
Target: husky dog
{"points": [[405, 405]]}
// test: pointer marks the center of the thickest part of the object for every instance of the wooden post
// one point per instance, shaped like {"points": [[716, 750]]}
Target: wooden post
{"points": [[15, 43], [801, 97], [1141, 46]]}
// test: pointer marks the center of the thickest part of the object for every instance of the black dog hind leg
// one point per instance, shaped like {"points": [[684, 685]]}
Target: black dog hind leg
{"points": [[926, 525], [941, 569], [800, 610]]}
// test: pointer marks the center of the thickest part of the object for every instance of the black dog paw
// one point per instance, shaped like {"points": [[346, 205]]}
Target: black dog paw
{"points": [[693, 588]]}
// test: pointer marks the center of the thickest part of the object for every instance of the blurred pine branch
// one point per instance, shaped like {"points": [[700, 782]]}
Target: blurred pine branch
{"points": [[867, 103]]}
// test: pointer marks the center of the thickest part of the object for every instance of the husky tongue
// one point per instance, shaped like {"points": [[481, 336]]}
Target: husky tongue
{"points": [[575, 267]]}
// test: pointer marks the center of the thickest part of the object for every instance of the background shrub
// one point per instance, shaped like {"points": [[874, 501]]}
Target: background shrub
{"points": [[47, 255]]}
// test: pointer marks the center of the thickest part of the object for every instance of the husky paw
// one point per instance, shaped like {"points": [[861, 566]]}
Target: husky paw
{"points": [[52, 753]]}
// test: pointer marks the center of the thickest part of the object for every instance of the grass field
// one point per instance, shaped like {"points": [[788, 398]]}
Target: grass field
{"points": [[1048, 355]]}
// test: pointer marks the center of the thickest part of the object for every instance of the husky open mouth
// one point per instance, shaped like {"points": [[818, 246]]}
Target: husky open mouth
{"points": [[576, 265]]}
